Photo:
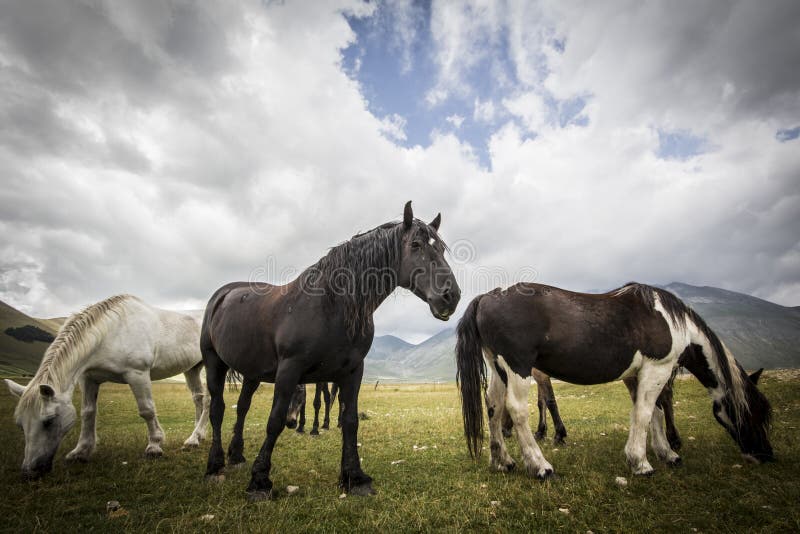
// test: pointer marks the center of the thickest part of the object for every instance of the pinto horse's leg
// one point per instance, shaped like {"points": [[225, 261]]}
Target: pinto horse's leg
{"points": [[352, 479], [326, 398], [236, 447], [658, 441], [542, 380], [141, 386], [201, 405], [651, 379], [496, 409], [286, 379], [317, 406], [216, 371], [86, 443], [665, 403], [517, 404], [552, 406]]}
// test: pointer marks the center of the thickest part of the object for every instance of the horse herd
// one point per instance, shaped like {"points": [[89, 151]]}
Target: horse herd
{"points": [[319, 327]]}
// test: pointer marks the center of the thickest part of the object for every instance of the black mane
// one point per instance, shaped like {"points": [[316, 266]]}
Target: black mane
{"points": [[362, 272]]}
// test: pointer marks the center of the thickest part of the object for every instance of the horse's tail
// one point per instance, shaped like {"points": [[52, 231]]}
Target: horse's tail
{"points": [[471, 376]]}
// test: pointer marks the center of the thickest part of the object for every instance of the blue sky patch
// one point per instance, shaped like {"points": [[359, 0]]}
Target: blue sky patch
{"points": [[788, 134], [680, 145]]}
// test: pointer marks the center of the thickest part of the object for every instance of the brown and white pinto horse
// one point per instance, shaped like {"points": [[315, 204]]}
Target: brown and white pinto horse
{"points": [[636, 330]]}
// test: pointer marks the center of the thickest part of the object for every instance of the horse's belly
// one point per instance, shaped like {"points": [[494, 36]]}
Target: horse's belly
{"points": [[590, 367]]}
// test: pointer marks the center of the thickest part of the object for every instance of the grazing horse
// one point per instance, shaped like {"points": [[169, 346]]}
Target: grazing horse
{"points": [[546, 400], [120, 339], [634, 331], [296, 416], [319, 328]]}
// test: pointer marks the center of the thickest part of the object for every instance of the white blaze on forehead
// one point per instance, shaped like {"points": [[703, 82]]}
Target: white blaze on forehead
{"points": [[431, 241]]}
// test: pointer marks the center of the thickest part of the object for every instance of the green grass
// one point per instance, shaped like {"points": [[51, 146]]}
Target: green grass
{"points": [[438, 488]]}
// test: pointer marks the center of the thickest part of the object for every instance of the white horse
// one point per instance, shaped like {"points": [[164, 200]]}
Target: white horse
{"points": [[120, 339]]}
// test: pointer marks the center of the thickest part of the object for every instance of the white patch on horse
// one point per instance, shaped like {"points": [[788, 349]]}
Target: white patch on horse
{"points": [[431, 241], [517, 406], [633, 368]]}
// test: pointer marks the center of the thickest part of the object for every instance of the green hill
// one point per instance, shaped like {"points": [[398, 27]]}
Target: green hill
{"points": [[21, 358]]}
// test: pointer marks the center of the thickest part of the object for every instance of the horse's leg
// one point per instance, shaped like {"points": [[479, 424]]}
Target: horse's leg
{"points": [[141, 386], [552, 405], [651, 379], [658, 441], [201, 404], [286, 379], [665, 403], [541, 402], [216, 371], [236, 447], [352, 479], [86, 443], [301, 423], [517, 405], [496, 407], [334, 392], [317, 406], [326, 398]]}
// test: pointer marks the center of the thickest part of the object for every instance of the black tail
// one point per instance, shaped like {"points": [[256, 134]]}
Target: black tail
{"points": [[471, 377]]}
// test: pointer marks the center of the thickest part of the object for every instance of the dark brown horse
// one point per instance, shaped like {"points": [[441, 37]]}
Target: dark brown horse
{"points": [[546, 400], [636, 330], [319, 328]]}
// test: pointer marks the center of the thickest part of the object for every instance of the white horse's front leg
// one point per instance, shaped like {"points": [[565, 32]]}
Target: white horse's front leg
{"points": [[142, 389], [88, 439], [651, 379], [495, 405], [517, 406], [201, 400]]}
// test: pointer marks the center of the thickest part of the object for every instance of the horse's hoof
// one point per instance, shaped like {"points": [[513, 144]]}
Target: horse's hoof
{"points": [[649, 473], [510, 467], [314, 433], [153, 453], [76, 458], [218, 478], [537, 436], [362, 490], [560, 442], [675, 462], [258, 496], [326, 426], [546, 474], [300, 431]]}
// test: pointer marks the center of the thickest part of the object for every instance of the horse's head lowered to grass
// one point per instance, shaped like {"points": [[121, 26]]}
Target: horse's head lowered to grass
{"points": [[45, 416]]}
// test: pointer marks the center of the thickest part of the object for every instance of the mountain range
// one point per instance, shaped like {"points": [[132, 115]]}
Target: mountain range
{"points": [[758, 332]]}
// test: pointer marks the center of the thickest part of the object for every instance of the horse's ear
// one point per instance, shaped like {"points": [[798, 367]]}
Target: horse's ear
{"points": [[755, 376], [15, 388], [436, 222], [47, 391], [408, 216]]}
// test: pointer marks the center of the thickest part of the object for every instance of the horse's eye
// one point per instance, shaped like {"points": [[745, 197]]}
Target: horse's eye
{"points": [[47, 423], [415, 244]]}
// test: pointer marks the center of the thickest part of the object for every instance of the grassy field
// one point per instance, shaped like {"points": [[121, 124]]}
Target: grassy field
{"points": [[433, 487]]}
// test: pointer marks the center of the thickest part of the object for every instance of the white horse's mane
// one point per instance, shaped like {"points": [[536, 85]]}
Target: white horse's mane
{"points": [[76, 338]]}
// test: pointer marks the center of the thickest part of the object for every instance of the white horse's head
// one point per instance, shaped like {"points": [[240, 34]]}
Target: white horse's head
{"points": [[45, 417]]}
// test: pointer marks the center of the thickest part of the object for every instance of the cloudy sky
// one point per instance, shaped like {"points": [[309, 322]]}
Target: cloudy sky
{"points": [[165, 148]]}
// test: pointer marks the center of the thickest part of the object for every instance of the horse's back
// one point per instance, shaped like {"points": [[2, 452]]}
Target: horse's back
{"points": [[578, 337]]}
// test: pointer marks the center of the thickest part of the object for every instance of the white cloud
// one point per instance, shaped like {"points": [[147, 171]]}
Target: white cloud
{"points": [[456, 120], [393, 126], [530, 109], [483, 111]]}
